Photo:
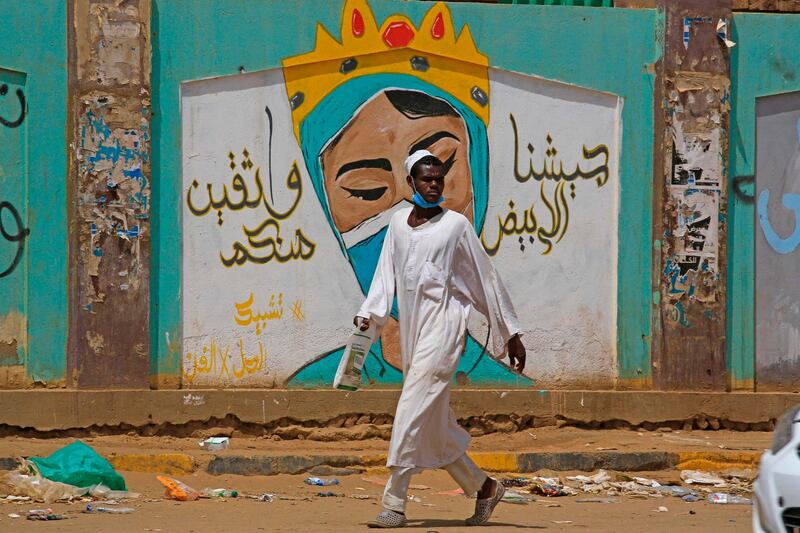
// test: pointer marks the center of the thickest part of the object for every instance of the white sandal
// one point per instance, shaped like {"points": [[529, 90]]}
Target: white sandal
{"points": [[388, 519], [484, 508]]}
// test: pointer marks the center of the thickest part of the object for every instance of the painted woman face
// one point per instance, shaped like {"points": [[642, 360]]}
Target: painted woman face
{"points": [[363, 166]]}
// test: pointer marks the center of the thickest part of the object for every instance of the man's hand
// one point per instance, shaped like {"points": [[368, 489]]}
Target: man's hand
{"points": [[363, 324], [516, 353]]}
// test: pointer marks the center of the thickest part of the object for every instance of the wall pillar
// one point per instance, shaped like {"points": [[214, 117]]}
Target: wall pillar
{"points": [[690, 204], [109, 207]]}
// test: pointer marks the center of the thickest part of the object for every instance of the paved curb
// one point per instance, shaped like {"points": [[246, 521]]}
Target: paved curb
{"points": [[523, 462], [164, 463], [717, 460], [286, 464]]}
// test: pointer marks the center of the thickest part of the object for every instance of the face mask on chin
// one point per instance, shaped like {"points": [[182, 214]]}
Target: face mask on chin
{"points": [[422, 202]]}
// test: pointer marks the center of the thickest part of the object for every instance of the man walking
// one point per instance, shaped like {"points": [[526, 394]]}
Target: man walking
{"points": [[435, 265]]}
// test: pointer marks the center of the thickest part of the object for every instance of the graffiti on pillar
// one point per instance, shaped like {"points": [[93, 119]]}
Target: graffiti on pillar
{"points": [[14, 234], [531, 163], [13, 122]]}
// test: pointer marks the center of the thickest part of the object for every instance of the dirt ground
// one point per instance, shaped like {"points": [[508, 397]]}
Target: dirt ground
{"points": [[544, 439], [440, 513]]}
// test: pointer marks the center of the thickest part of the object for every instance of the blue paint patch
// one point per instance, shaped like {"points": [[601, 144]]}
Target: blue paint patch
{"points": [[682, 315], [98, 252], [132, 233], [778, 243], [141, 199]]}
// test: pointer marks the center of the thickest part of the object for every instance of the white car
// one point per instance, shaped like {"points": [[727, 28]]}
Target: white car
{"points": [[776, 507]]}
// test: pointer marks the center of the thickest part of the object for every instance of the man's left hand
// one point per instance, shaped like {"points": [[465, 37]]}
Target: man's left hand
{"points": [[516, 353]]}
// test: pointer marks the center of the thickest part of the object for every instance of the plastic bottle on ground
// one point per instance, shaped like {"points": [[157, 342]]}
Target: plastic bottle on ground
{"points": [[110, 510], [321, 482], [219, 493], [722, 498]]}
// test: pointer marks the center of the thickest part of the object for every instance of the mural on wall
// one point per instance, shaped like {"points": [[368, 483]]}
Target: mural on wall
{"points": [[291, 176], [777, 241]]}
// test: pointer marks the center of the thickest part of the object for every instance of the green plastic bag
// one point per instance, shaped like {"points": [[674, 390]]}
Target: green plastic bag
{"points": [[79, 465]]}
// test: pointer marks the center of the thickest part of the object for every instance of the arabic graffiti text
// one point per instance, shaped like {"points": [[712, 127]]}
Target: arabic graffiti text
{"points": [[15, 235]]}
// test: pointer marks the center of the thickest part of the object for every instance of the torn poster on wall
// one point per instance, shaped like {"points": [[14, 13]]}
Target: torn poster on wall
{"points": [[695, 186]]}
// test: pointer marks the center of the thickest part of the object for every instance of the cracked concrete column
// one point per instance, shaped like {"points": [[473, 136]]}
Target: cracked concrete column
{"points": [[692, 103], [109, 184]]}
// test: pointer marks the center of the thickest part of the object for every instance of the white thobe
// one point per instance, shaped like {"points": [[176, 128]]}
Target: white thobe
{"points": [[440, 272]]}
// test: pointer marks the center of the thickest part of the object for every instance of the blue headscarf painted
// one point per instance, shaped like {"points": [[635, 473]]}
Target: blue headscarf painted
{"points": [[338, 108]]}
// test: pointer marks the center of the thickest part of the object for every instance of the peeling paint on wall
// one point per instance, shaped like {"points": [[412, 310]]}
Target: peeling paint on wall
{"points": [[110, 253], [13, 331], [114, 190]]}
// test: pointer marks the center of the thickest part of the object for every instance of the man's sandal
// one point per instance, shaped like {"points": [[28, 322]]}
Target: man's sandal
{"points": [[388, 519], [484, 508]]}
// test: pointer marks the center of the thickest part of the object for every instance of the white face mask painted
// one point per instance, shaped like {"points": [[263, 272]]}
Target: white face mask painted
{"points": [[373, 225]]}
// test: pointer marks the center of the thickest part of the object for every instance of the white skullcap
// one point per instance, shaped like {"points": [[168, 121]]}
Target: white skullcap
{"points": [[413, 158]]}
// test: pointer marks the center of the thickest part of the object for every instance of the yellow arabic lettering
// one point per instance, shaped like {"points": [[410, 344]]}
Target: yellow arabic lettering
{"points": [[207, 365], [190, 377], [244, 315]]}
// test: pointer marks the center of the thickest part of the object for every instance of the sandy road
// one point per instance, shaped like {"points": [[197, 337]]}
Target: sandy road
{"points": [[436, 512]]}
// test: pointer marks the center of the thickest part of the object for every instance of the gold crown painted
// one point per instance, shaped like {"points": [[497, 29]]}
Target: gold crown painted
{"points": [[432, 53]]}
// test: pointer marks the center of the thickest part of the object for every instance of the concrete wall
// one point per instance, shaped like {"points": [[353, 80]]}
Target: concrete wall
{"points": [[585, 76]]}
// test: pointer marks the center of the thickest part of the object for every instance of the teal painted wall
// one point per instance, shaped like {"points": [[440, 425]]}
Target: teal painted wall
{"points": [[35, 45], [764, 62], [604, 49], [596, 48]]}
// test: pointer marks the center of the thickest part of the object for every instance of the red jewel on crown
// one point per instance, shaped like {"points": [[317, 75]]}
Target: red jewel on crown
{"points": [[357, 23], [398, 34], [437, 30]]}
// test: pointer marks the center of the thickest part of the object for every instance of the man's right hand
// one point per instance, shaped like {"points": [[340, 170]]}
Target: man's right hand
{"points": [[361, 323]]}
